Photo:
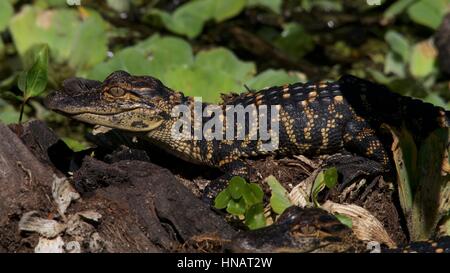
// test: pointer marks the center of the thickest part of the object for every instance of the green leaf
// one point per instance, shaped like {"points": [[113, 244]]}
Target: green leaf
{"points": [[344, 220], [72, 37], [271, 77], [318, 186], [279, 201], [6, 12], [222, 199], [399, 44], [36, 80], [237, 186], [22, 81], [157, 56], [187, 20], [90, 34], [254, 217], [423, 59], [224, 10], [222, 59], [274, 5], [394, 64], [198, 82], [330, 177], [431, 198], [295, 41], [236, 207], [428, 13], [435, 99], [254, 195], [396, 8], [74, 144], [190, 18]]}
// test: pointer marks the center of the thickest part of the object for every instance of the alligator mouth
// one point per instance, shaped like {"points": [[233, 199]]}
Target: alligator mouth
{"points": [[119, 120]]}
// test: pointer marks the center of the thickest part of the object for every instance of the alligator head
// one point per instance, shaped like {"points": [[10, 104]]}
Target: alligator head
{"points": [[122, 101]]}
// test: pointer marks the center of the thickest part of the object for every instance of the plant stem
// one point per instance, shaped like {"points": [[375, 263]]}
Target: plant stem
{"points": [[22, 107]]}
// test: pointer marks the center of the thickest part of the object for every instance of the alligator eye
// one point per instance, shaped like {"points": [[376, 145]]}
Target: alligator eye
{"points": [[116, 91]]}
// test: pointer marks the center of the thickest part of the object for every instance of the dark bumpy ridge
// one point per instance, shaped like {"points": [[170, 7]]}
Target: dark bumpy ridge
{"points": [[378, 104]]}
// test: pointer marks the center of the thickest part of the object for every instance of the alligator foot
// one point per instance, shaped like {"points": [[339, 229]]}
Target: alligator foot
{"points": [[352, 167]]}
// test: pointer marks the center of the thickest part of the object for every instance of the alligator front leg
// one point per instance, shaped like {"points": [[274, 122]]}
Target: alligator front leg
{"points": [[371, 158]]}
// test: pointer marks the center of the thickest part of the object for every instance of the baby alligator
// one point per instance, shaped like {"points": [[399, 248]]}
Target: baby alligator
{"points": [[314, 119]]}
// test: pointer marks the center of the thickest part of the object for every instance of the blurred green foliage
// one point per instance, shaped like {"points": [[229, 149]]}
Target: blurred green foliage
{"points": [[208, 47]]}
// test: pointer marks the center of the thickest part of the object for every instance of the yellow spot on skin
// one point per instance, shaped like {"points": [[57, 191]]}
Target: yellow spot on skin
{"points": [[312, 94], [339, 98]]}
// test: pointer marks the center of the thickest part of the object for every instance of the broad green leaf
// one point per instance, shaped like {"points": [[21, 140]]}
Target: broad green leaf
{"points": [[318, 186], [131, 60], [295, 41], [33, 26], [22, 81], [252, 194], [279, 201], [254, 217], [423, 59], [436, 100], [404, 152], [74, 144], [344, 220], [187, 19], [428, 13], [274, 5], [431, 197], [394, 64], [226, 9], [6, 12], [36, 80], [271, 77], [330, 177], [157, 56], [398, 43], [181, 22], [167, 51], [396, 8], [69, 33], [198, 82], [190, 18], [236, 207], [222, 59], [222, 199], [256, 195], [236, 187], [90, 35]]}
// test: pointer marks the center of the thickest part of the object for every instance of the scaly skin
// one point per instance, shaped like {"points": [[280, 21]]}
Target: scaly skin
{"points": [[314, 119]]}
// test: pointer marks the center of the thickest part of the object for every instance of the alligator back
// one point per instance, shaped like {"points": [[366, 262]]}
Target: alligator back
{"points": [[376, 103]]}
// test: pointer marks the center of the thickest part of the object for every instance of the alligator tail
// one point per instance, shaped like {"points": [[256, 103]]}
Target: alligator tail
{"points": [[377, 103]]}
